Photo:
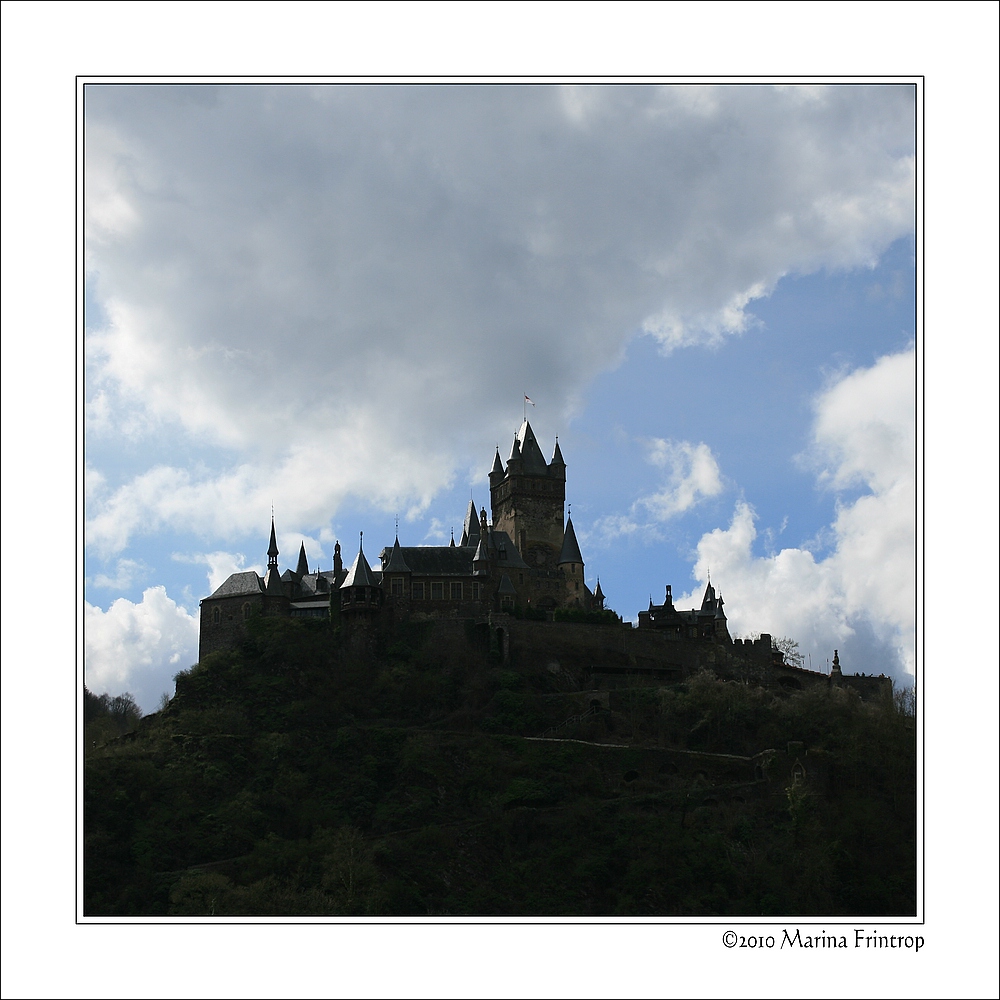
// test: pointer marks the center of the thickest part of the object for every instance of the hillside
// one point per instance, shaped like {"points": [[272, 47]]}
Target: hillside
{"points": [[306, 775]]}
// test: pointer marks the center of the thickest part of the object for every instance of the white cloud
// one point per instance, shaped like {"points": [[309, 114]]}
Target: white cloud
{"points": [[864, 432], [126, 571], [221, 565], [350, 285], [693, 473], [139, 647]]}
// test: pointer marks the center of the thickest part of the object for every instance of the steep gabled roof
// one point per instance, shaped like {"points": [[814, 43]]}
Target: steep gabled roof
{"points": [[570, 548], [396, 564], [506, 550], [239, 584]]}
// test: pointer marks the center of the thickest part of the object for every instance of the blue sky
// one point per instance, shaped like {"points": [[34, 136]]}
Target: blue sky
{"points": [[332, 299]]}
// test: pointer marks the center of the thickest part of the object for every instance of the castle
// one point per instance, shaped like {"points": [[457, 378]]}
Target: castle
{"points": [[519, 575], [525, 559]]}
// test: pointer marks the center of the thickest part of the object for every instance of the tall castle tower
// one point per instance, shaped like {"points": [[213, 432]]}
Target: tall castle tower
{"points": [[527, 500]]}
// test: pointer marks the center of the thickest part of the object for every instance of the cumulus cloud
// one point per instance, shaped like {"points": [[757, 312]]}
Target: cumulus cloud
{"points": [[139, 647], [221, 565], [350, 286], [692, 473], [863, 437], [126, 571]]}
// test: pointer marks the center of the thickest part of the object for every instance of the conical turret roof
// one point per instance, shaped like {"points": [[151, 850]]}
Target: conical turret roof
{"points": [[497, 464], [570, 547], [302, 569], [557, 458], [360, 574]]}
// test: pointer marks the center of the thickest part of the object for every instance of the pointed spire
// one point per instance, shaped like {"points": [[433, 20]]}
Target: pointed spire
{"points": [[452, 539], [708, 601], [570, 547], [515, 452], [272, 549], [557, 458], [719, 613], [497, 463], [302, 569], [470, 530], [534, 460], [599, 594]]}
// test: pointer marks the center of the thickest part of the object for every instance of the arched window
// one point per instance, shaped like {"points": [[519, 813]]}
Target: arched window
{"points": [[246, 611], [216, 616]]}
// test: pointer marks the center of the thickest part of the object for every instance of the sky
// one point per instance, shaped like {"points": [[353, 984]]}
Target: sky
{"points": [[332, 300]]}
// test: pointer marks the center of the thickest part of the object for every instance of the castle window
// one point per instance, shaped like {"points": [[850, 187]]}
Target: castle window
{"points": [[577, 584], [417, 590], [216, 616], [397, 586], [477, 591], [246, 611], [506, 603], [437, 591], [456, 591]]}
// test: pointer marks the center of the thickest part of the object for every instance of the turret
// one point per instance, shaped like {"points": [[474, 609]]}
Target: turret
{"points": [[360, 591], [528, 498], [302, 569], [272, 578], [836, 671], [557, 467], [496, 473], [276, 601]]}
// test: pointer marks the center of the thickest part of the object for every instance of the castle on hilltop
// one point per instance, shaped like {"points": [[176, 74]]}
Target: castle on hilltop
{"points": [[525, 559], [519, 576]]}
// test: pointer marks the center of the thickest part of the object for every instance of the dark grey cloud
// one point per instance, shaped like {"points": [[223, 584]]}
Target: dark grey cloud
{"points": [[319, 275]]}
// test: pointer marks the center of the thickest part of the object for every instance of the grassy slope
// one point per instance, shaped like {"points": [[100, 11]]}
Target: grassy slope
{"points": [[297, 777]]}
